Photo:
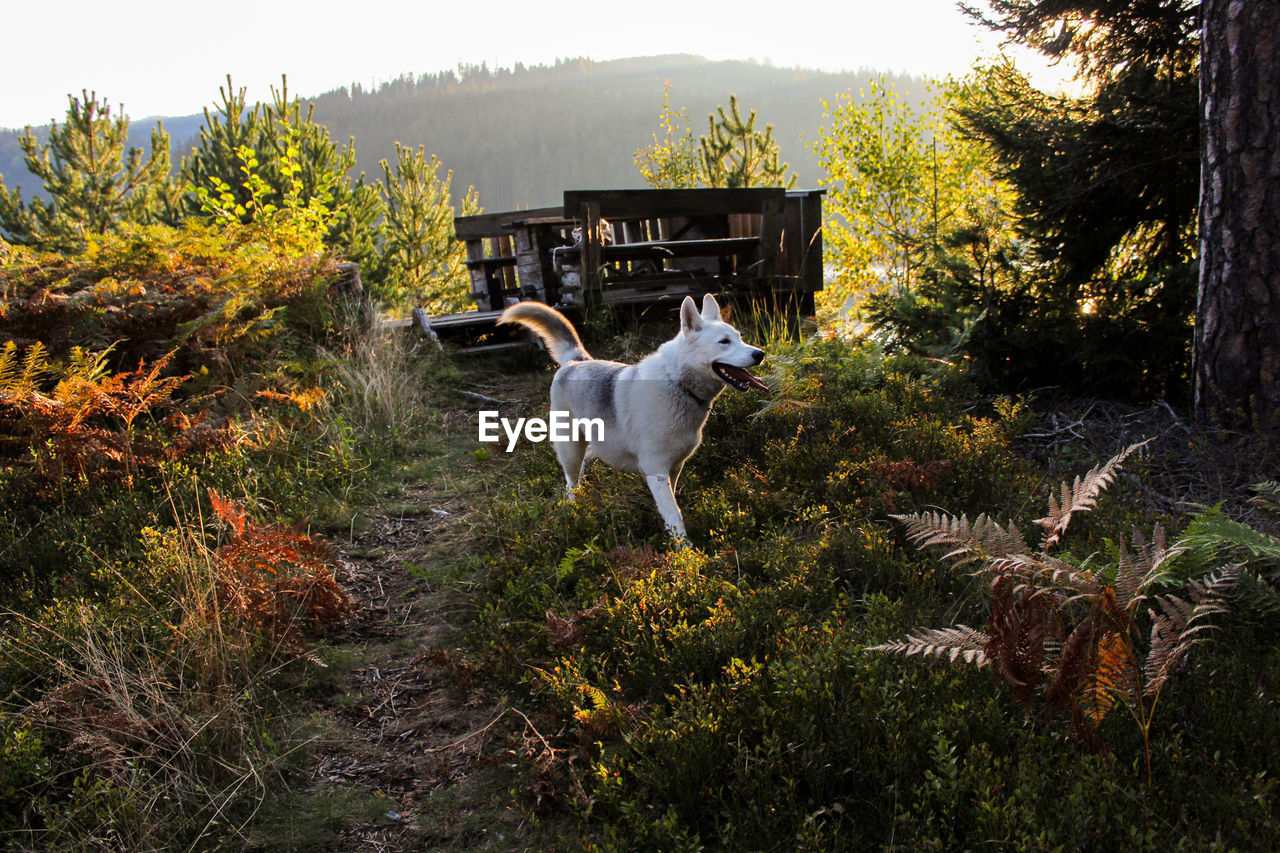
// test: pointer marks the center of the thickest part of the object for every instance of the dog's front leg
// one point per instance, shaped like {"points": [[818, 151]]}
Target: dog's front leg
{"points": [[660, 486], [572, 457]]}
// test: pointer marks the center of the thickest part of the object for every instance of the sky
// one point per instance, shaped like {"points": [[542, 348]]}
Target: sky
{"points": [[166, 58]]}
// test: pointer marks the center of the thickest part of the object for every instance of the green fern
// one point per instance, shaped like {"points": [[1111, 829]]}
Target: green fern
{"points": [[21, 376], [1211, 530]]}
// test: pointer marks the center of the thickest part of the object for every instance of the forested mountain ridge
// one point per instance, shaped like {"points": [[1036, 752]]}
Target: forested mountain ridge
{"points": [[523, 135]]}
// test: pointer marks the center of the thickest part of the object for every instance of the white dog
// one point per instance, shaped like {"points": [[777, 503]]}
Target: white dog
{"points": [[653, 412]]}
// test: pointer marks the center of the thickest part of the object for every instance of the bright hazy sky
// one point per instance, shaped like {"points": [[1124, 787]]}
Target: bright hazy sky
{"points": [[167, 58]]}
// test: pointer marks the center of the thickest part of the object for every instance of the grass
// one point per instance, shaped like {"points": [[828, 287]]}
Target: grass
{"points": [[723, 698], [147, 645], [641, 697]]}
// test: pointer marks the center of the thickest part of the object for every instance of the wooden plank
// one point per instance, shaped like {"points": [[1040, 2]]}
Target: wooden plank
{"points": [[485, 348], [770, 236], [466, 318], [539, 279], [592, 280], [507, 249], [646, 204], [673, 249], [811, 237], [493, 224], [485, 263], [791, 252], [479, 281], [799, 262]]}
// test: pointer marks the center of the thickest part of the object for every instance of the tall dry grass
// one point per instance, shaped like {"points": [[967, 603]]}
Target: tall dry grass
{"points": [[158, 700]]}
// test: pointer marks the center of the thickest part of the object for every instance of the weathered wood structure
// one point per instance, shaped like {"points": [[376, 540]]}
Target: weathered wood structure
{"points": [[638, 249]]}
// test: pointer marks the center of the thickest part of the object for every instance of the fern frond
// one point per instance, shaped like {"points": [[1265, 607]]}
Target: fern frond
{"points": [[1213, 530], [1266, 495], [8, 364], [1138, 571], [961, 641], [34, 364], [21, 376], [1177, 625], [599, 700], [1075, 660], [1043, 571], [1111, 679], [968, 541], [1020, 627], [1081, 496], [229, 511], [88, 365]]}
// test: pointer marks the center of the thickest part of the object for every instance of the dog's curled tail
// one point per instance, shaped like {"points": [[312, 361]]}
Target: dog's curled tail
{"points": [[550, 325]]}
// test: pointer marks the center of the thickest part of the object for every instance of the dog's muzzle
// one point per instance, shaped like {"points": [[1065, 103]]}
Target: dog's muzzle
{"points": [[739, 378]]}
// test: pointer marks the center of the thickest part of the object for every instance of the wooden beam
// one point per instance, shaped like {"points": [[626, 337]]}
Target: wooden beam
{"points": [[685, 202], [494, 224]]}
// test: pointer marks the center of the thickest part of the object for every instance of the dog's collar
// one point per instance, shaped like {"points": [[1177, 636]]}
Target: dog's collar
{"points": [[704, 403]]}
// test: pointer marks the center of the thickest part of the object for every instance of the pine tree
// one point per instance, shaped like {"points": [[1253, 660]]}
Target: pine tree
{"points": [[735, 154], [1237, 338], [94, 184], [421, 262], [1107, 187], [236, 136], [216, 161]]}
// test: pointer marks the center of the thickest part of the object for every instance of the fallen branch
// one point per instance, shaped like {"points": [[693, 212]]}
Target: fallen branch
{"points": [[489, 401]]}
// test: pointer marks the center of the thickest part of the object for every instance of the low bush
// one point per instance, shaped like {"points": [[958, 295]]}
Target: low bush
{"points": [[179, 409], [723, 697]]}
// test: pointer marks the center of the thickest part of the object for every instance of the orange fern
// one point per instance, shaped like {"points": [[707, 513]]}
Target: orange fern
{"points": [[277, 579], [80, 420]]}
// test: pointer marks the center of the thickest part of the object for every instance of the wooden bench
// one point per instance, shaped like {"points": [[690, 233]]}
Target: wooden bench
{"points": [[670, 242], [759, 245]]}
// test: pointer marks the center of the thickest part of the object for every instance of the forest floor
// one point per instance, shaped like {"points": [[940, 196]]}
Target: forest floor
{"points": [[416, 750]]}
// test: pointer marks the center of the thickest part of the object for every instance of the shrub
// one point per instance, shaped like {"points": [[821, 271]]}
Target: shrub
{"points": [[721, 698]]}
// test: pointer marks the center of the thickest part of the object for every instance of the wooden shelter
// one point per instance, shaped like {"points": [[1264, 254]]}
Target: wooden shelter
{"points": [[638, 250]]}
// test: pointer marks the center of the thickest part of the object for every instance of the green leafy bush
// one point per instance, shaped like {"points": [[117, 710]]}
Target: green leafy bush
{"points": [[141, 660], [721, 697]]}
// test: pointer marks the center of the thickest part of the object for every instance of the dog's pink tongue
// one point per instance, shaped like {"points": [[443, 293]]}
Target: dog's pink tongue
{"points": [[744, 375]]}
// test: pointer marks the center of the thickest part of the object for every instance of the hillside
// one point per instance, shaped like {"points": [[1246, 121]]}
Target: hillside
{"points": [[523, 135]]}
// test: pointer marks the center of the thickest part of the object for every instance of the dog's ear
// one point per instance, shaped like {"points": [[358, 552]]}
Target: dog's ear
{"points": [[689, 319], [710, 309]]}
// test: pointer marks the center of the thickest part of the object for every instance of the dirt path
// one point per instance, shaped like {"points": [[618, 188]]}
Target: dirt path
{"points": [[415, 742]]}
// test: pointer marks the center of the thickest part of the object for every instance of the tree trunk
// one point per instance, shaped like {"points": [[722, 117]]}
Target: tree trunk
{"points": [[1237, 336]]}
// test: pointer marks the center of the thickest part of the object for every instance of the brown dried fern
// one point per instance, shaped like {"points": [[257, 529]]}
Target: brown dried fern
{"points": [[960, 641], [1081, 496], [79, 420], [1065, 632], [982, 539], [1178, 624], [277, 579]]}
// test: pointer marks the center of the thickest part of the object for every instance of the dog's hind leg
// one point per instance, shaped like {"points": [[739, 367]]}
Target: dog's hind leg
{"points": [[660, 486], [572, 460]]}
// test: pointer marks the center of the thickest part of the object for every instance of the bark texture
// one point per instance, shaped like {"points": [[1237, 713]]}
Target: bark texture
{"points": [[1237, 337]]}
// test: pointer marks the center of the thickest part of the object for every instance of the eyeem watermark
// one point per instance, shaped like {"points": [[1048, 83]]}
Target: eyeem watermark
{"points": [[561, 427]]}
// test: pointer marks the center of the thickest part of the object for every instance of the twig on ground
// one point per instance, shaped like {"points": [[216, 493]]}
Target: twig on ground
{"points": [[488, 401]]}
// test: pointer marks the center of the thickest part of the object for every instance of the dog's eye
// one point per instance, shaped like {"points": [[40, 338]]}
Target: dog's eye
{"points": [[724, 340]]}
